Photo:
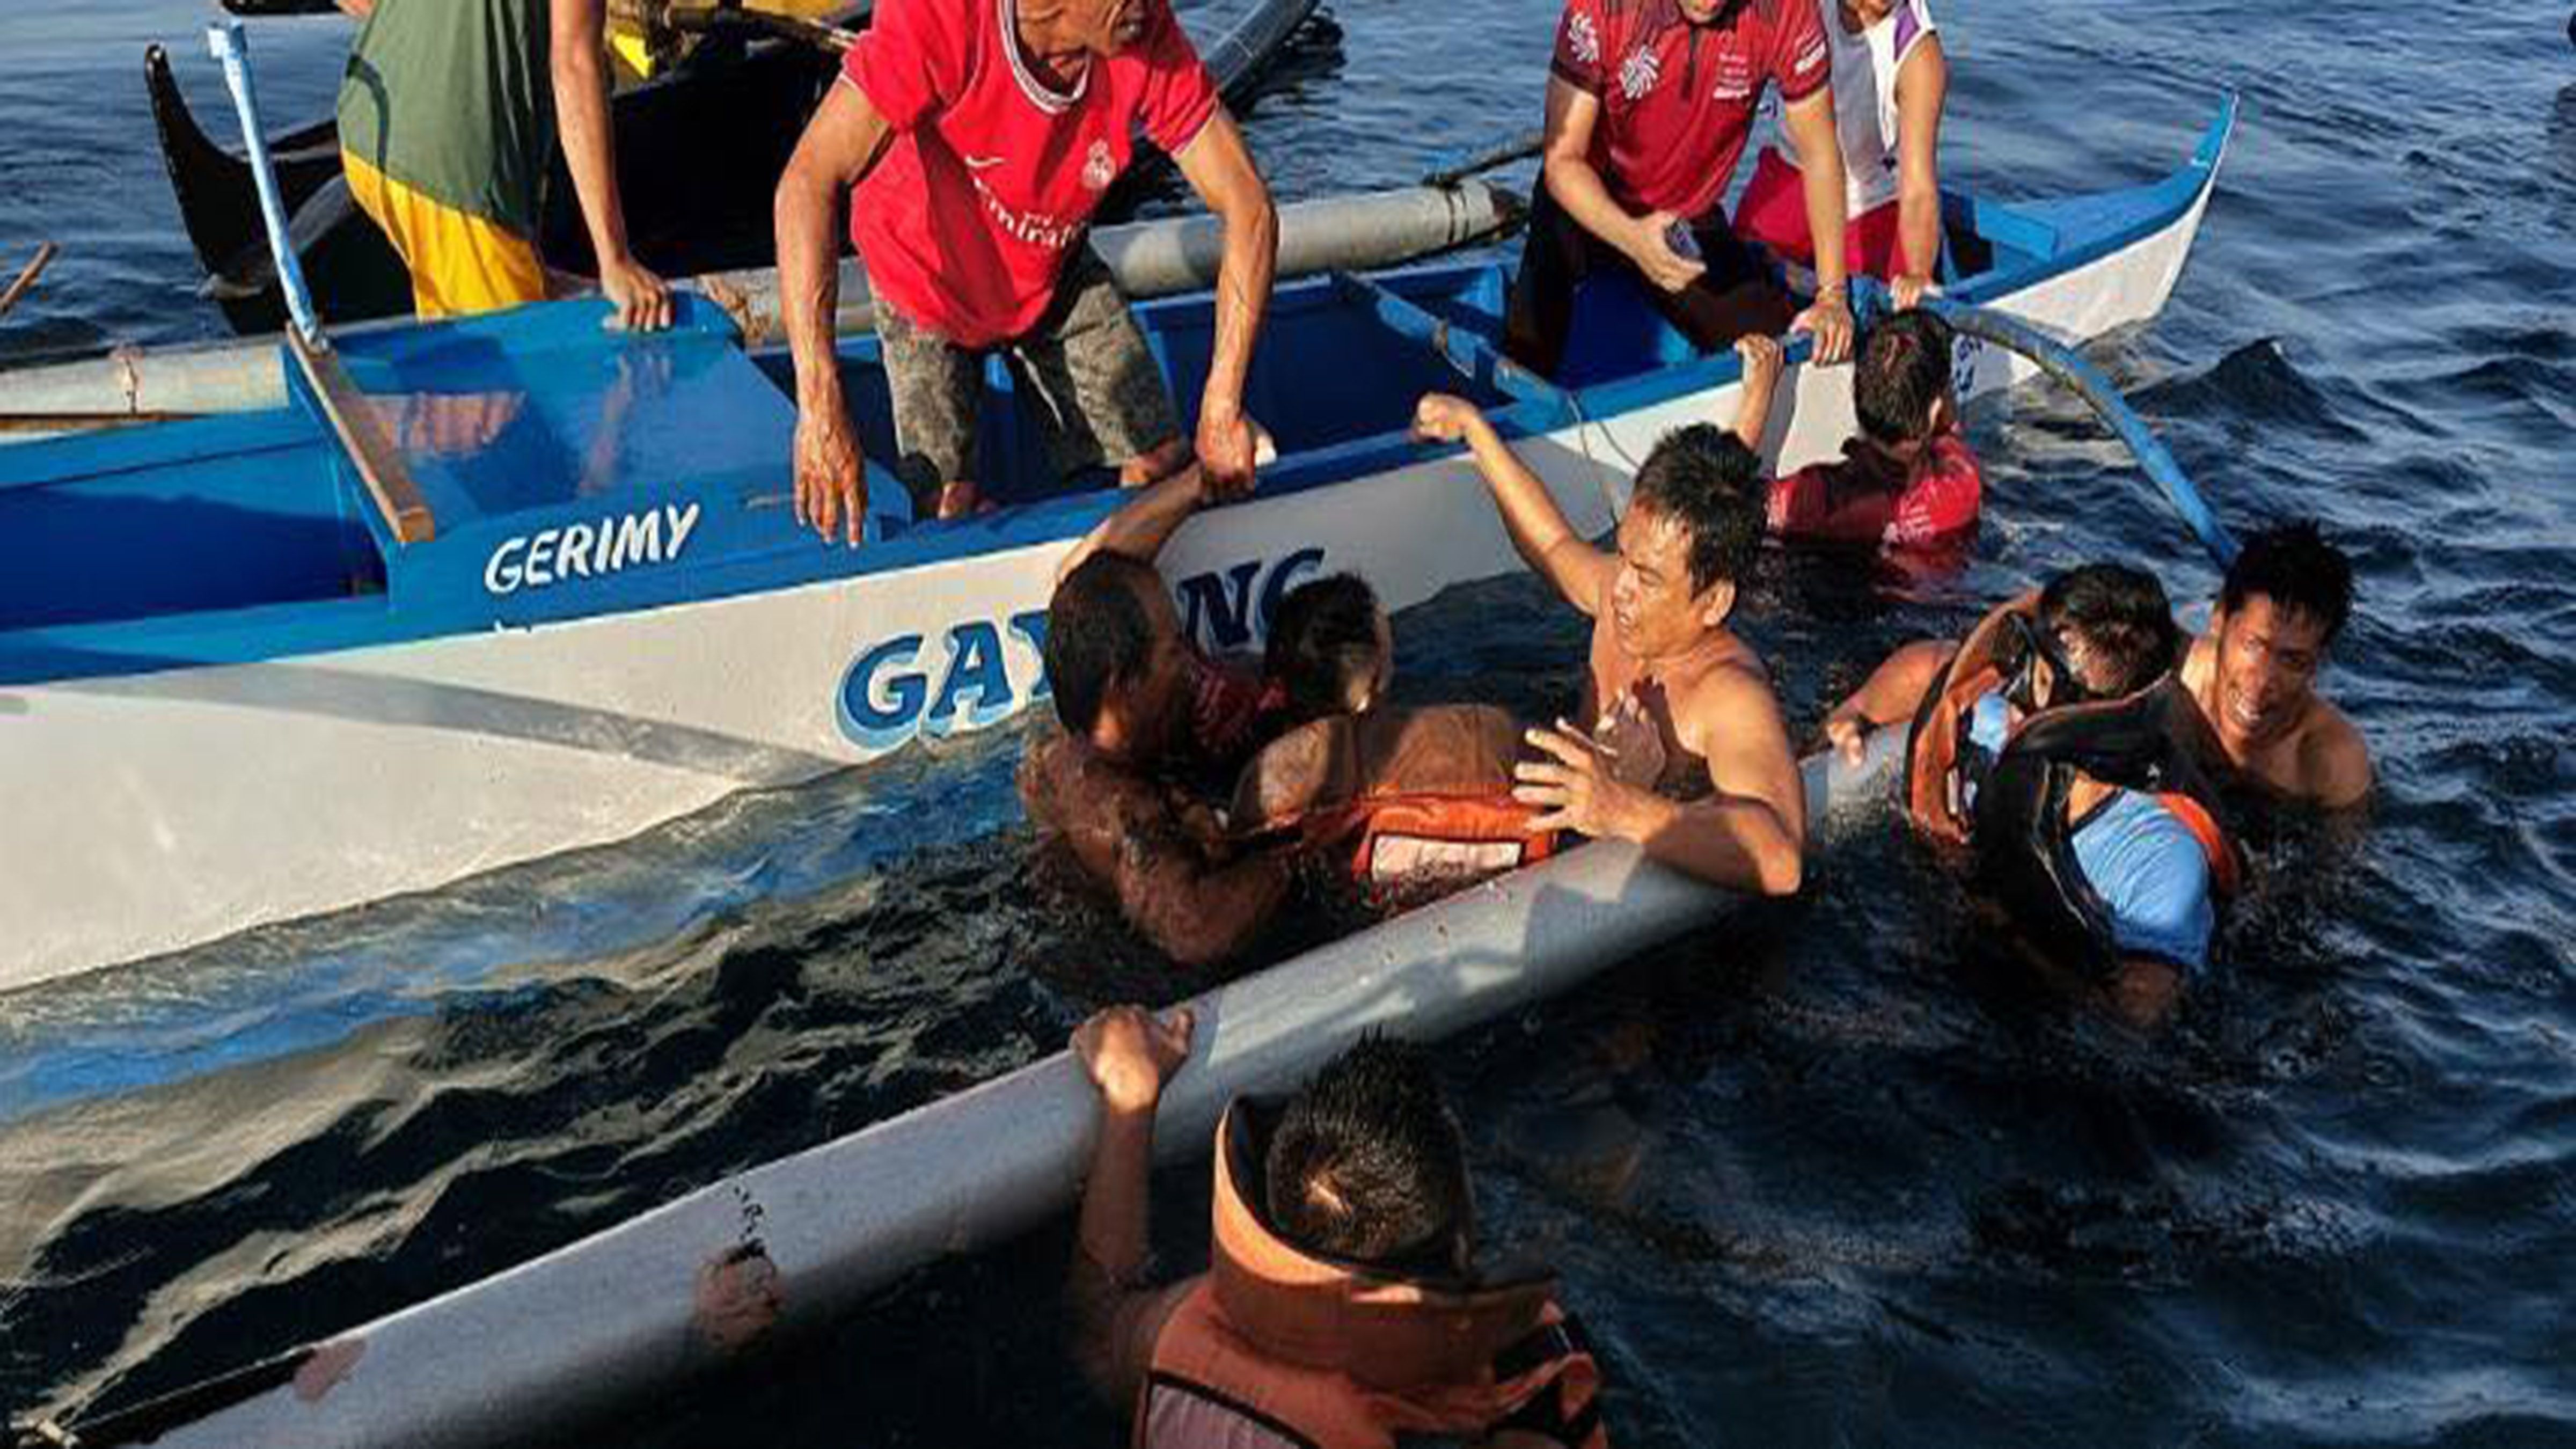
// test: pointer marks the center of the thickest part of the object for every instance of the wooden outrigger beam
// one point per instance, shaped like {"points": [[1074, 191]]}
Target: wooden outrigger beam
{"points": [[370, 449]]}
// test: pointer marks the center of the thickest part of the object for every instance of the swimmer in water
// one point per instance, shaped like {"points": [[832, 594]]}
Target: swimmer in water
{"points": [[1115, 789], [1233, 708], [2056, 743], [1908, 479], [1344, 1303], [2254, 674], [1673, 697]]}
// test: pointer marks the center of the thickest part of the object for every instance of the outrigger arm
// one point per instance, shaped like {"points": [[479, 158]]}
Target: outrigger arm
{"points": [[354, 421]]}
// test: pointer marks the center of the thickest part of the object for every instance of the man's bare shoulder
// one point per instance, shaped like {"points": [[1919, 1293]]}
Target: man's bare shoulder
{"points": [[1283, 780], [2334, 762], [1062, 780], [1730, 717], [1038, 765], [1728, 695]]}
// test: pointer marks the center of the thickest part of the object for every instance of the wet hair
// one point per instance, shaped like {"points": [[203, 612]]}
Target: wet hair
{"points": [[1904, 371], [1097, 633], [1367, 1164], [2292, 565], [1323, 640], [1705, 479], [2123, 620]]}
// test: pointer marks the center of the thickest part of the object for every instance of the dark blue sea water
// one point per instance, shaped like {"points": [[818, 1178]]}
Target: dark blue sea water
{"points": [[1816, 1179]]}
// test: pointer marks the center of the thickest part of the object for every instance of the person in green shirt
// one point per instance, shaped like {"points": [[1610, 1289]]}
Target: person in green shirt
{"points": [[448, 114]]}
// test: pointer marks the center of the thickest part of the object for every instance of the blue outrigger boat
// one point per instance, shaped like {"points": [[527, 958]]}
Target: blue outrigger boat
{"points": [[523, 585]]}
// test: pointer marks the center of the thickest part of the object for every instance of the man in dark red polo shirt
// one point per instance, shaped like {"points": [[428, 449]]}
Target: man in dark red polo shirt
{"points": [[1649, 104], [975, 138]]}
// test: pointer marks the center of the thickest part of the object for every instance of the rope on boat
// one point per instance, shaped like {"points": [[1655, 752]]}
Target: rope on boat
{"points": [[2087, 382]]}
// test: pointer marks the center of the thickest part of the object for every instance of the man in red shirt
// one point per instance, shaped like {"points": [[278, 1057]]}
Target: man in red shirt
{"points": [[1909, 480], [976, 138], [1649, 104]]}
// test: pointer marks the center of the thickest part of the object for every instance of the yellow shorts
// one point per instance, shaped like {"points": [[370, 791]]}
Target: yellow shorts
{"points": [[459, 262]]}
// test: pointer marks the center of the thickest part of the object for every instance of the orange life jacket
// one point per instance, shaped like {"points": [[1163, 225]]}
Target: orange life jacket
{"points": [[1418, 795], [1935, 796], [1276, 1346]]}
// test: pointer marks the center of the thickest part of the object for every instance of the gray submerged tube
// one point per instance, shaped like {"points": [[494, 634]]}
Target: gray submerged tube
{"points": [[606, 1320], [1150, 258]]}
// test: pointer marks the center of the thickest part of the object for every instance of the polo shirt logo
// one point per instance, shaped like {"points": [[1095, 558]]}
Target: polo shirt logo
{"points": [[1638, 73], [1098, 170], [1582, 38]]}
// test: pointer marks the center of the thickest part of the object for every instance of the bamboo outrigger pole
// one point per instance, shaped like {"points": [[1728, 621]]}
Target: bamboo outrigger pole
{"points": [[27, 277]]}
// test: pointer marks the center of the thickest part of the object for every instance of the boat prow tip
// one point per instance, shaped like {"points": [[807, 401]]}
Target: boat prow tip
{"points": [[2222, 129]]}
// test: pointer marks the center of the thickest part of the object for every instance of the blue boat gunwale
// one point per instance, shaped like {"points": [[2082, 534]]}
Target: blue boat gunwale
{"points": [[286, 631]]}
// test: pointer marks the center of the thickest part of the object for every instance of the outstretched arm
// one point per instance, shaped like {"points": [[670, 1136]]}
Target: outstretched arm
{"points": [[1893, 691], [1145, 522], [1808, 124], [1128, 1055], [839, 145], [1761, 379], [1921, 86], [1546, 542], [1219, 168], [577, 41]]}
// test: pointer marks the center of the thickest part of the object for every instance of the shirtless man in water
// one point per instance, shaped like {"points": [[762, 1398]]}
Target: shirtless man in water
{"points": [[1721, 795], [2254, 674], [1117, 786]]}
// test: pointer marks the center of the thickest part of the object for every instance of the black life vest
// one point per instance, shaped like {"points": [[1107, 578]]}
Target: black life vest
{"points": [[2152, 742]]}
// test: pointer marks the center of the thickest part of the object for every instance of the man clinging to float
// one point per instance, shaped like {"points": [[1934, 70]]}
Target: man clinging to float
{"points": [[2056, 745], [1347, 1303], [1682, 749], [2254, 674], [974, 142]]}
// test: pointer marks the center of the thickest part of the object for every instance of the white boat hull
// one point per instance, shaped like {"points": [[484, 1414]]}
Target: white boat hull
{"points": [[151, 812]]}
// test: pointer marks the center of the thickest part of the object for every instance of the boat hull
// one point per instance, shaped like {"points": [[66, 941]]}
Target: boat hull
{"points": [[154, 810], [609, 1319]]}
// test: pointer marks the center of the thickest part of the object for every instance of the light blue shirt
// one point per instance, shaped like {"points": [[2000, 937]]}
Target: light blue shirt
{"points": [[2137, 855], [2153, 874]]}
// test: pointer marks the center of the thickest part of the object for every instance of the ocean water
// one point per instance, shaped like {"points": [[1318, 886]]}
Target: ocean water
{"points": [[1822, 1177]]}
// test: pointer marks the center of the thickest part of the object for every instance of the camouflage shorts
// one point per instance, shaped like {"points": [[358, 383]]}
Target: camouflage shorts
{"points": [[1089, 381]]}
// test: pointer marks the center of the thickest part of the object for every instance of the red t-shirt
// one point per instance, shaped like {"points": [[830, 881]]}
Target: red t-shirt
{"points": [[992, 176], [1677, 98], [1862, 498]]}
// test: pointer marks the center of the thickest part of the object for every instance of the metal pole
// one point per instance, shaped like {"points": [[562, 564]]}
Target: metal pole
{"points": [[225, 40]]}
